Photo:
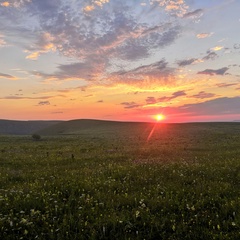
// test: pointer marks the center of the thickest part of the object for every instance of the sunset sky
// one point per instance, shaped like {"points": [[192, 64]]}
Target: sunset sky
{"points": [[124, 60]]}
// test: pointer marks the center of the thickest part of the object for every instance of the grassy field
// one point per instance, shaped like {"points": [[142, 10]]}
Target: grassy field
{"points": [[181, 183]]}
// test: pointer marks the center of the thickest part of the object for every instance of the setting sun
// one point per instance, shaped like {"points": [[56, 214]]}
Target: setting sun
{"points": [[159, 117]]}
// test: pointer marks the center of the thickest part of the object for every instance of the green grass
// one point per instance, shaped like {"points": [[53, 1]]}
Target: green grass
{"points": [[184, 183]]}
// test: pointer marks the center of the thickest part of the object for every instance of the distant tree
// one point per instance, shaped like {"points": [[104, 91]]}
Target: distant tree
{"points": [[36, 137]]}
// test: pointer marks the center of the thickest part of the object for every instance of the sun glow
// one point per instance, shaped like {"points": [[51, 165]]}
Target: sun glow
{"points": [[159, 117]]}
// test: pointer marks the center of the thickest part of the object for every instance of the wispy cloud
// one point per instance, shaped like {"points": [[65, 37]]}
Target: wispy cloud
{"points": [[146, 74], [129, 105], [79, 70], [217, 106], [236, 46], [153, 100], [223, 85], [59, 112], [203, 95], [193, 14], [183, 63], [212, 72], [25, 97], [174, 95], [7, 76], [186, 62], [43, 103], [2, 41], [210, 56], [217, 48], [204, 35]]}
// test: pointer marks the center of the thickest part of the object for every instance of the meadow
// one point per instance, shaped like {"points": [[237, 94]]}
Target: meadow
{"points": [[183, 182]]}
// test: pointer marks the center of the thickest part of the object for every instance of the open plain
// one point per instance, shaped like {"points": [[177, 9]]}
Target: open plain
{"points": [[119, 182]]}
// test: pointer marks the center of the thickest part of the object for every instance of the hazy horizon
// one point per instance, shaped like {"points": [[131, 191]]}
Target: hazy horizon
{"points": [[110, 120]]}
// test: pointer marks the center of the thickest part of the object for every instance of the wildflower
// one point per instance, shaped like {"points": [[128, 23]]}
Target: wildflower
{"points": [[24, 221]]}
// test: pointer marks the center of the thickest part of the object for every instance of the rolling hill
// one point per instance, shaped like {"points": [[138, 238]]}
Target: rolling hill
{"points": [[86, 126], [72, 127], [102, 127], [11, 127]]}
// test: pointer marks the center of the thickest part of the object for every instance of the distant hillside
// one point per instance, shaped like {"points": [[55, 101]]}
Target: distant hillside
{"points": [[102, 127], [87, 126], [11, 127]]}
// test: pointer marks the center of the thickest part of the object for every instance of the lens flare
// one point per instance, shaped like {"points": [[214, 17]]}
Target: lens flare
{"points": [[158, 117]]}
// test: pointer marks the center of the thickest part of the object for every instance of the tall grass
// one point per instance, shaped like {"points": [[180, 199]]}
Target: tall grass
{"points": [[184, 183]]}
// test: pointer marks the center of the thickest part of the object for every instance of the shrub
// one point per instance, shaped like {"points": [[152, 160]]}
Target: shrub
{"points": [[36, 137]]}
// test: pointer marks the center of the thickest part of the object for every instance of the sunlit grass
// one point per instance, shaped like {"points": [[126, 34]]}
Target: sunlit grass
{"points": [[184, 183]]}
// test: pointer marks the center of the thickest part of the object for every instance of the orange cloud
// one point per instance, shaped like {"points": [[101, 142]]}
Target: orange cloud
{"points": [[5, 4], [45, 46], [179, 6], [88, 8], [101, 2], [217, 48], [204, 35], [172, 7], [33, 56], [47, 37], [49, 46], [15, 3], [2, 42], [98, 3]]}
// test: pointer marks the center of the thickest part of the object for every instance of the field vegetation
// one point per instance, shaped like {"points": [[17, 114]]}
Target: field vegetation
{"points": [[111, 183]]}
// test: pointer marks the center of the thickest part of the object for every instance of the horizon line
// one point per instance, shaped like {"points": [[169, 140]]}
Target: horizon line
{"points": [[121, 121]]}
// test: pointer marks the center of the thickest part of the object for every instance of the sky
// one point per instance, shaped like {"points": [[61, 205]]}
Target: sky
{"points": [[125, 60]]}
